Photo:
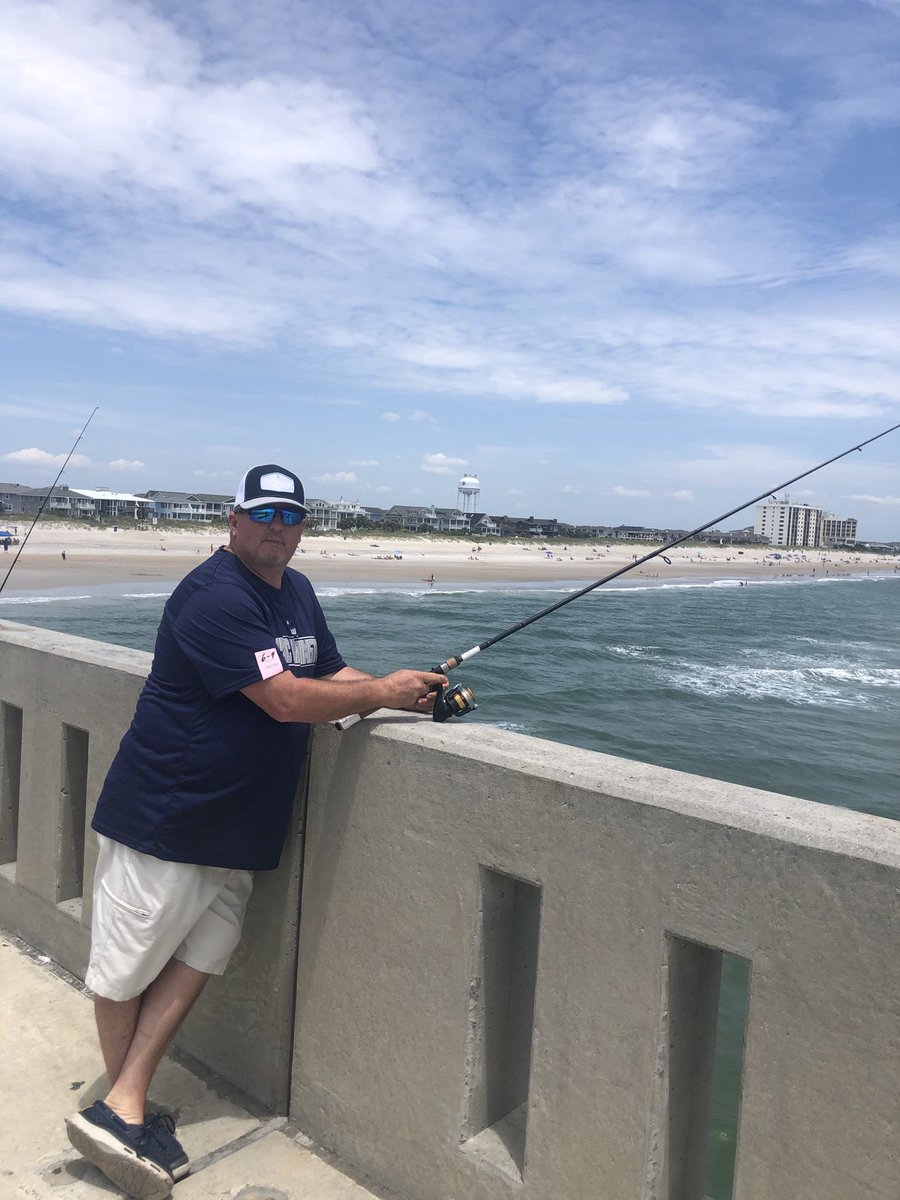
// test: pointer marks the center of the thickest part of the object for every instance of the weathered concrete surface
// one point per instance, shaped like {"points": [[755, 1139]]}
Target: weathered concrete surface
{"points": [[639, 870], [56, 681], [509, 960], [51, 1066]]}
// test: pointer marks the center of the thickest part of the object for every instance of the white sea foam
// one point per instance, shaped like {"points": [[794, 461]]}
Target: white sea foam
{"points": [[635, 651], [870, 676], [813, 686], [510, 726], [13, 600]]}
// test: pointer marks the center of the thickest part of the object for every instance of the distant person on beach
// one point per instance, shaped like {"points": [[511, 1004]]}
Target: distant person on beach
{"points": [[199, 797]]}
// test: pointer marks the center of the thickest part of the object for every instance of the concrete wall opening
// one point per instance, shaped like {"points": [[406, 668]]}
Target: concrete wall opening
{"points": [[73, 811], [728, 1075], [10, 780], [501, 1021], [699, 1073]]}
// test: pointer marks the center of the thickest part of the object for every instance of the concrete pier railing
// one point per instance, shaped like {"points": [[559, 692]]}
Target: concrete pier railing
{"points": [[509, 953], [65, 703]]}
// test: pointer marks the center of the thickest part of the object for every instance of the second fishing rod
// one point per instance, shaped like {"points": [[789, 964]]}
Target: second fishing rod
{"points": [[457, 700]]}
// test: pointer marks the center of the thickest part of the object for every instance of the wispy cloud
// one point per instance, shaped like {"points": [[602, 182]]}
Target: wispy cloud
{"points": [[337, 477], [441, 464], [623, 226], [32, 456], [888, 500], [619, 490]]}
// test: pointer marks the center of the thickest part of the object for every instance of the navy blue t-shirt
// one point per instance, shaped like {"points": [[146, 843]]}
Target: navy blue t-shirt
{"points": [[204, 775]]}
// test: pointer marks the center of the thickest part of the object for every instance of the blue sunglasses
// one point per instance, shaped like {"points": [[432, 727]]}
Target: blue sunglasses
{"points": [[265, 516]]}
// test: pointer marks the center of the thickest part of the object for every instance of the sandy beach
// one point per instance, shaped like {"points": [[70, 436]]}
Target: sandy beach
{"points": [[98, 555]]}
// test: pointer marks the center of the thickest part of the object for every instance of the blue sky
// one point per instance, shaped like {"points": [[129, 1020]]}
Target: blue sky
{"points": [[627, 262]]}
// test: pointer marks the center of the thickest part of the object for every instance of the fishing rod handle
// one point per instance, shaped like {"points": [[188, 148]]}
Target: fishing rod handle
{"points": [[345, 723]]}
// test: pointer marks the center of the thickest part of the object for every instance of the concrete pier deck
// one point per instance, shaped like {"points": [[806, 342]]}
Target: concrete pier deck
{"points": [[52, 1066]]}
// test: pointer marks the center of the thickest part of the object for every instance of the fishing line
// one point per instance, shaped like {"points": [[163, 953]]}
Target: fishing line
{"points": [[457, 700], [46, 498]]}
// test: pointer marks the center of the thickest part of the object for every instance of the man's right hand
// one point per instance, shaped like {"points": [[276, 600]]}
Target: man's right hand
{"points": [[413, 691]]}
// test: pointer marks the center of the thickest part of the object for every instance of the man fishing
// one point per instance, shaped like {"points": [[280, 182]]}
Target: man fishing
{"points": [[199, 796]]}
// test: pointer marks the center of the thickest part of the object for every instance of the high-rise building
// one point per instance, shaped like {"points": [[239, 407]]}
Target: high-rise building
{"points": [[838, 531], [784, 524]]}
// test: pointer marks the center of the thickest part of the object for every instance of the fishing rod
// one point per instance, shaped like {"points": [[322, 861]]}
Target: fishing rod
{"points": [[456, 701], [46, 498]]}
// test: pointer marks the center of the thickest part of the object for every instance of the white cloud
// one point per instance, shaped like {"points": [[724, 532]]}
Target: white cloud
{"points": [[440, 464], [337, 477], [114, 99], [32, 456], [684, 494], [618, 490], [606, 211], [125, 464], [888, 500]]}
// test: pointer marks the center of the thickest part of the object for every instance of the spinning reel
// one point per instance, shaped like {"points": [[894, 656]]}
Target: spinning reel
{"points": [[454, 701]]}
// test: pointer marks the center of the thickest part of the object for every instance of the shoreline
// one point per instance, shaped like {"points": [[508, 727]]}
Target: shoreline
{"points": [[95, 557]]}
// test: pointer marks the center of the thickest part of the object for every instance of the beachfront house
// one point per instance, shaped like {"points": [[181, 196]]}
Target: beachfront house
{"points": [[333, 514], [415, 518], [60, 501], [482, 525], [419, 518], [592, 531], [201, 507], [106, 503], [452, 520], [63, 501], [529, 527]]}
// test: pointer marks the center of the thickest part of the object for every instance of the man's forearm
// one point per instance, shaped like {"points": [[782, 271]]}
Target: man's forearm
{"points": [[287, 697]]}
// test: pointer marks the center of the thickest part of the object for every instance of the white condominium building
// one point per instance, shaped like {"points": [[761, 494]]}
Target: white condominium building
{"points": [[784, 524]]}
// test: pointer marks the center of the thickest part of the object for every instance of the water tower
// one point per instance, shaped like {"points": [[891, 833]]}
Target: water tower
{"points": [[467, 495]]}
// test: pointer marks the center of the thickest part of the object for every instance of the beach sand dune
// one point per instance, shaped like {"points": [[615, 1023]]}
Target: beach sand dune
{"points": [[59, 555]]}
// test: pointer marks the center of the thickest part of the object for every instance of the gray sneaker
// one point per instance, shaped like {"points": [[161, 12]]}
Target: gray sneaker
{"points": [[126, 1154]]}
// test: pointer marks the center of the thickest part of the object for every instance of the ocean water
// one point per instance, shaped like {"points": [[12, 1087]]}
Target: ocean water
{"points": [[791, 685]]}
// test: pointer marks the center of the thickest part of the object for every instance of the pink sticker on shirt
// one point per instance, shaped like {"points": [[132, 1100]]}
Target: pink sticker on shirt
{"points": [[269, 663]]}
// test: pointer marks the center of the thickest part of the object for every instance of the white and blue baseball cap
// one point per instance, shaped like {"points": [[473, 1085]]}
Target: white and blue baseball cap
{"points": [[270, 484]]}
